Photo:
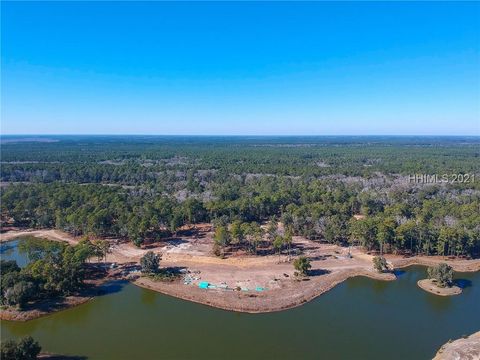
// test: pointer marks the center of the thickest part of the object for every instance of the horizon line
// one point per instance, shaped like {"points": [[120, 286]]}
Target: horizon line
{"points": [[244, 135]]}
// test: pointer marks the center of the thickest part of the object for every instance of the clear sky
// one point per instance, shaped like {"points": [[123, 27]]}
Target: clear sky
{"points": [[312, 68]]}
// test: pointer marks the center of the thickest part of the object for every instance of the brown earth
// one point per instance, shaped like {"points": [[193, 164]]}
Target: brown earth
{"points": [[47, 356], [46, 234], [462, 349], [430, 286]]}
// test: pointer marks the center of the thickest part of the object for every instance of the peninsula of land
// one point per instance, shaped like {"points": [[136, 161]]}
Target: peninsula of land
{"points": [[240, 282]]}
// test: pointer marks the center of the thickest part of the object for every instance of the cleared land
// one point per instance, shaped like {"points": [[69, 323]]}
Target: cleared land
{"points": [[244, 282]]}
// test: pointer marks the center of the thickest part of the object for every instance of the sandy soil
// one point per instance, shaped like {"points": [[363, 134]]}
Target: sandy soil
{"points": [[47, 234], [48, 356], [459, 265], [275, 275], [430, 286], [461, 349]]}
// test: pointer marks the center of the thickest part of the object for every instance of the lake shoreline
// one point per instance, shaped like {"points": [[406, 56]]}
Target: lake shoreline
{"points": [[284, 293], [273, 301], [45, 307], [262, 302], [12, 314]]}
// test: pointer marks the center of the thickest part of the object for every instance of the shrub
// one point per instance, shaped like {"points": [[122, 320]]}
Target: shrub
{"points": [[442, 273], [302, 265], [149, 263], [380, 263], [19, 294]]}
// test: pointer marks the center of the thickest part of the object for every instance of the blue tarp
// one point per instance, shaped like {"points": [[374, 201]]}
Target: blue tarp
{"points": [[203, 285]]}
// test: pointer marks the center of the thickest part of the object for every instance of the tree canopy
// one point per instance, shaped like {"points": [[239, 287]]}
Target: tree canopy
{"points": [[150, 262], [442, 274], [380, 263], [57, 270], [302, 265], [342, 191], [25, 349]]}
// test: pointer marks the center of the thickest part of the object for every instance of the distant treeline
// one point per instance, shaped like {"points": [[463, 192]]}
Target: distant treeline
{"points": [[130, 161]]}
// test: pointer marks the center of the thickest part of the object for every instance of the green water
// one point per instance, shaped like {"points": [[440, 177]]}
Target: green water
{"points": [[359, 319]]}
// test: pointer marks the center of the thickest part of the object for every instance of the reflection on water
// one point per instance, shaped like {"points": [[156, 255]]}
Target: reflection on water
{"points": [[463, 283], [360, 318], [398, 272], [439, 304], [148, 297], [7, 249], [10, 251], [380, 286], [113, 287]]}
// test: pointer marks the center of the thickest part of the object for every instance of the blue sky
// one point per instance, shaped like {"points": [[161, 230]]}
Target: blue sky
{"points": [[241, 68]]}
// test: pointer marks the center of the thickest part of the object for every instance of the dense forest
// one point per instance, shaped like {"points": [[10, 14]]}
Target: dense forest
{"points": [[55, 269], [345, 190]]}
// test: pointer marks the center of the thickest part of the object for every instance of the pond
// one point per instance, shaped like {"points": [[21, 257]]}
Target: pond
{"points": [[358, 319], [10, 251]]}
